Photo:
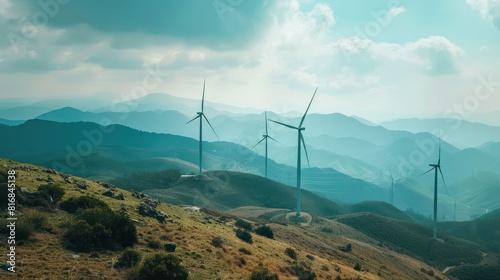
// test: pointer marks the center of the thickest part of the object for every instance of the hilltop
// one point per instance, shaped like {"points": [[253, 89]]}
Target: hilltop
{"points": [[319, 248]]}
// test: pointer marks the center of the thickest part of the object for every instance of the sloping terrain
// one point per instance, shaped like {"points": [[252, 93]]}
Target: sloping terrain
{"points": [[318, 247], [225, 190], [414, 240]]}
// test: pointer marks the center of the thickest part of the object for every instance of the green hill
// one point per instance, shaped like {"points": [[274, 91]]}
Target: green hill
{"points": [[413, 239], [377, 207], [224, 190]]}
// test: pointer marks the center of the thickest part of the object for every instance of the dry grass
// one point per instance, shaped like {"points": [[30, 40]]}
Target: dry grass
{"points": [[43, 256]]}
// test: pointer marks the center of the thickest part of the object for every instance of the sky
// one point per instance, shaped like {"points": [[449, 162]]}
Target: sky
{"points": [[379, 59]]}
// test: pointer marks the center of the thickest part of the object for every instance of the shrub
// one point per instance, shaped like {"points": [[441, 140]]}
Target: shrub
{"points": [[35, 218], [357, 267], [262, 273], [30, 221], [243, 224], [101, 228], [24, 230], [327, 229], [217, 241], [154, 244], [291, 253], [129, 258], [162, 266], [55, 191], [73, 204], [304, 272], [244, 235], [265, 231], [347, 248], [245, 251]]}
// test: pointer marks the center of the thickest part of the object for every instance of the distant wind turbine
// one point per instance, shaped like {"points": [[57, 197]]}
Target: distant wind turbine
{"points": [[202, 116], [265, 137], [392, 185], [436, 167], [300, 141]]}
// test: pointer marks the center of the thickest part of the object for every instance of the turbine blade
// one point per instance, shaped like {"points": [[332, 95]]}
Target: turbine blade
{"points": [[390, 172], [444, 182], [303, 117], [305, 149], [211, 126], [203, 96], [284, 124], [259, 142], [193, 119], [426, 172], [274, 140], [439, 145], [265, 115]]}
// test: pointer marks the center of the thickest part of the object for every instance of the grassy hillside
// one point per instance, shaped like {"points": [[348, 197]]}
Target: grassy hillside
{"points": [[45, 255], [377, 207], [413, 239], [484, 231], [225, 190]]}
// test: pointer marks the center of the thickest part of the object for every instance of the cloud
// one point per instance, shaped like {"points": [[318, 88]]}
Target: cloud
{"points": [[489, 9], [213, 24], [394, 12], [437, 55]]}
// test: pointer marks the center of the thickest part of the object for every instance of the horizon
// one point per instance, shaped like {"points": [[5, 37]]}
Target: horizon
{"points": [[378, 61]]}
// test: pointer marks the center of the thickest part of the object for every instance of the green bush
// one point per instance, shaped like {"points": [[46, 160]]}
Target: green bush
{"points": [[265, 231], [243, 224], [129, 258], [24, 230], [244, 235], [357, 267], [162, 266], [30, 221], [245, 251], [291, 253], [304, 272], [262, 273], [73, 204], [55, 191], [217, 241], [97, 228]]}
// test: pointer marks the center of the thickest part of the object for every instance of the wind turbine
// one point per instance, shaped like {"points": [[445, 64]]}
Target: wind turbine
{"points": [[265, 137], [392, 185], [202, 116], [299, 142], [436, 167]]}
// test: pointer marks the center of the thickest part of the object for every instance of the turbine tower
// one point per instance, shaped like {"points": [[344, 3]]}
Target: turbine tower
{"points": [[202, 116], [436, 167], [265, 137], [299, 142], [392, 185]]}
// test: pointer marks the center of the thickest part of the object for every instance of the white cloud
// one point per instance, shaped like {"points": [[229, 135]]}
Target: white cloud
{"points": [[437, 54], [489, 9], [5, 5], [394, 12]]}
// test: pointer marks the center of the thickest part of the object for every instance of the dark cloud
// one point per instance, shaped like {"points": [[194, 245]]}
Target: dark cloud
{"points": [[218, 23]]}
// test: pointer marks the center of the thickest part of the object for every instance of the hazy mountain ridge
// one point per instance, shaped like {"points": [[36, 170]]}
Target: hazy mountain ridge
{"points": [[459, 132]]}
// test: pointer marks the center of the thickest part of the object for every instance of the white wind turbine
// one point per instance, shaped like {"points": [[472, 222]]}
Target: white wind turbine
{"points": [[436, 167], [299, 143], [265, 137], [202, 116]]}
